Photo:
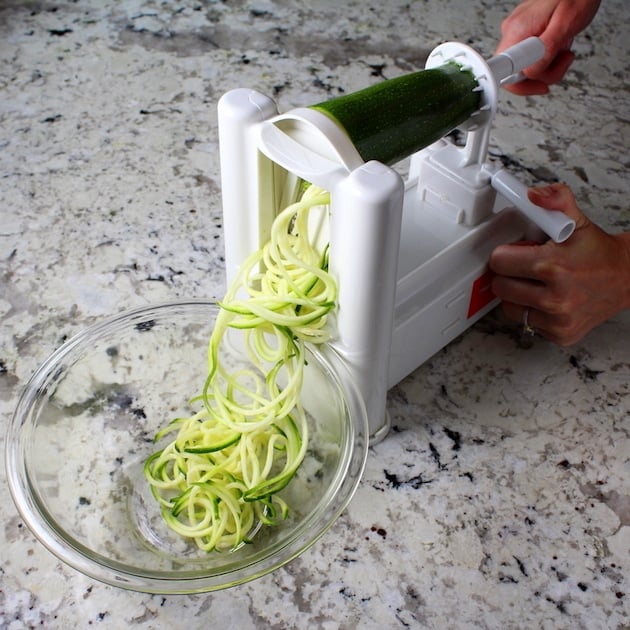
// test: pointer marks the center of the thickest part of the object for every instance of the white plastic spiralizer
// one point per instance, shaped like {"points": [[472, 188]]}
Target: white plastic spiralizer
{"points": [[409, 255]]}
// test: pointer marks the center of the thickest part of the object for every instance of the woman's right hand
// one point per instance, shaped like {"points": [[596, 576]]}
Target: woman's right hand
{"points": [[556, 22]]}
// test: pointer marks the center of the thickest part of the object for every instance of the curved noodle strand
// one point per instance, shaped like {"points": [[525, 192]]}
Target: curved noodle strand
{"points": [[220, 474]]}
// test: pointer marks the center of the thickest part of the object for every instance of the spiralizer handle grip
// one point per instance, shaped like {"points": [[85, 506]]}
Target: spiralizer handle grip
{"points": [[507, 65], [557, 225]]}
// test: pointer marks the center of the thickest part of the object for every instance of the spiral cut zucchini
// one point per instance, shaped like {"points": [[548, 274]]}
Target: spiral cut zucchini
{"points": [[219, 476]]}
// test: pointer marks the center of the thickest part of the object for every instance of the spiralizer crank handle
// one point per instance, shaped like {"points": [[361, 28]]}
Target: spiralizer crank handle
{"points": [[557, 225], [508, 65]]}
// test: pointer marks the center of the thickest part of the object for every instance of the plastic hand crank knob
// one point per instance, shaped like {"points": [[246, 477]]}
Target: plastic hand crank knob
{"points": [[557, 225]]}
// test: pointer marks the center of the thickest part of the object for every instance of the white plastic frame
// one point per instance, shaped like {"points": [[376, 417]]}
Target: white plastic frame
{"points": [[410, 258]]}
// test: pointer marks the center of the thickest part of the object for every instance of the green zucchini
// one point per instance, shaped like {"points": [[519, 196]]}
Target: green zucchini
{"points": [[391, 120]]}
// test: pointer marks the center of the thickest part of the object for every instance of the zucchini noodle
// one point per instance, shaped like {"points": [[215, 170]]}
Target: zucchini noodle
{"points": [[218, 478]]}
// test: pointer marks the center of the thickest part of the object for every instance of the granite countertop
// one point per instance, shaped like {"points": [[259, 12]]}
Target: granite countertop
{"points": [[501, 497]]}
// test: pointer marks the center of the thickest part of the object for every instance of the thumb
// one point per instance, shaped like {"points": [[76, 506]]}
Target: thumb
{"points": [[558, 197]]}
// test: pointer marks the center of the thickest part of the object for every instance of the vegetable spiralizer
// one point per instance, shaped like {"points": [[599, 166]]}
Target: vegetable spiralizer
{"points": [[409, 254]]}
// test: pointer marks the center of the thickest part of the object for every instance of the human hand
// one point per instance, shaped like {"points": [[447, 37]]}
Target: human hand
{"points": [[568, 288], [556, 22]]}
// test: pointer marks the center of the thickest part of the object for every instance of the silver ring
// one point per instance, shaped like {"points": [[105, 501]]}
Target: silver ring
{"points": [[527, 329]]}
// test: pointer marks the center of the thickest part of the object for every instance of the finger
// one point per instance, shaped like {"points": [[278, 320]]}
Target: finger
{"points": [[544, 324], [518, 291], [541, 75], [554, 196], [527, 87], [557, 55], [558, 197], [529, 318], [536, 320], [552, 71], [515, 260], [514, 30], [516, 313]]}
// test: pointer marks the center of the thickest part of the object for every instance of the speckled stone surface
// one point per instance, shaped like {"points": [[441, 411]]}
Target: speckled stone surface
{"points": [[501, 498]]}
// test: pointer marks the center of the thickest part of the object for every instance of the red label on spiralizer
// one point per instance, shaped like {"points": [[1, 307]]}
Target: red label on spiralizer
{"points": [[481, 294]]}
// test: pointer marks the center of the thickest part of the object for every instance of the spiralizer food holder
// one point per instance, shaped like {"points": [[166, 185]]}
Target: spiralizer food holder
{"points": [[410, 257]]}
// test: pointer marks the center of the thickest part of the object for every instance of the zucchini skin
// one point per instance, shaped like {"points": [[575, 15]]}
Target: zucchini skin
{"points": [[391, 120]]}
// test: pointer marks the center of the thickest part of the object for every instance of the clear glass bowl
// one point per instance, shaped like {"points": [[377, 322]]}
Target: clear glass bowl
{"points": [[85, 425]]}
